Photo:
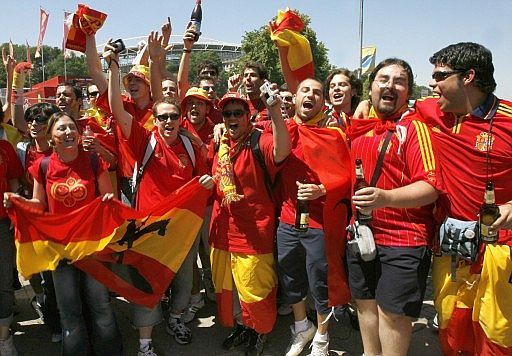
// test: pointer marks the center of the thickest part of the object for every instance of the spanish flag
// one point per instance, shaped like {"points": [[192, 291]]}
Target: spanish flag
{"points": [[285, 32], [368, 55], [85, 21], [135, 254]]}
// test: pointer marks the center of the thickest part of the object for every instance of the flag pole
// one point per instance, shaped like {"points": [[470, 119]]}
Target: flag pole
{"points": [[42, 60], [361, 16]]}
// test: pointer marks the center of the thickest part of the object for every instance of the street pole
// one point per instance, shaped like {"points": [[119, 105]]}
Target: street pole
{"points": [[361, 16]]}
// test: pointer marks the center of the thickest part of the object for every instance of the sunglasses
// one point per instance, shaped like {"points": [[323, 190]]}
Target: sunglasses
{"points": [[440, 76], [94, 94], [287, 98], [211, 73], [165, 117], [208, 87], [236, 113], [41, 120]]}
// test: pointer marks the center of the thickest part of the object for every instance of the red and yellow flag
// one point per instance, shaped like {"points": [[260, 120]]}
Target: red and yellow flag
{"points": [[84, 21], [135, 254], [285, 32]]}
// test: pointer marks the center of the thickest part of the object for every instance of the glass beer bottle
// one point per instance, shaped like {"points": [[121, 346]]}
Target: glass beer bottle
{"points": [[363, 216], [489, 213], [302, 214]]}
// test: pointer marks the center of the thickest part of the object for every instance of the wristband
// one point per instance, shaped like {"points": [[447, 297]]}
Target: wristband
{"points": [[186, 50]]}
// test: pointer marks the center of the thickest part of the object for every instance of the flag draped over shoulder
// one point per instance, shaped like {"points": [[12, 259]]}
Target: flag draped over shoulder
{"points": [[43, 22], [337, 180], [135, 254], [285, 32], [85, 21], [368, 59]]}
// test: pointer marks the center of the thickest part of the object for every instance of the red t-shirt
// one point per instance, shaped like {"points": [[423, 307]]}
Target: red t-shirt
{"points": [[408, 159], [69, 185], [168, 169], [461, 152], [246, 226], [33, 155], [216, 112], [205, 132], [10, 168], [296, 170], [257, 109]]}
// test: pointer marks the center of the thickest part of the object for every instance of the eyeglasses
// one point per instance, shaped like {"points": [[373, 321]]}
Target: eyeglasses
{"points": [[288, 98], [440, 76], [93, 94], [208, 87], [165, 117], [41, 120], [236, 113]]}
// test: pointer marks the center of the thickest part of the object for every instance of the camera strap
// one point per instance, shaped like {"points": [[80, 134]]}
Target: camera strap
{"points": [[378, 166]]}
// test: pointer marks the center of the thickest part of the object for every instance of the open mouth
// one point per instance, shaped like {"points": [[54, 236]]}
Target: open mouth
{"points": [[337, 96], [308, 105], [388, 98]]}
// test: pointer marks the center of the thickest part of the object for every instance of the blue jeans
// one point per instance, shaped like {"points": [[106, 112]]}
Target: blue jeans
{"points": [[70, 285], [6, 273]]}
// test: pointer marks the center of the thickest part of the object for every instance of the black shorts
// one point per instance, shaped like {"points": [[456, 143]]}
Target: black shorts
{"points": [[396, 278]]}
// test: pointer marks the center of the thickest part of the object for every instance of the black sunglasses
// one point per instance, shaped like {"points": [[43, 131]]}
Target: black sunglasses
{"points": [[208, 87], [165, 117], [236, 113], [210, 73], [94, 93], [40, 119], [440, 76]]}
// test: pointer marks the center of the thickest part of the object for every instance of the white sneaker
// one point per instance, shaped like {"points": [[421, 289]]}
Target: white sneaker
{"points": [[149, 352], [191, 311], [7, 347], [300, 340], [319, 348]]}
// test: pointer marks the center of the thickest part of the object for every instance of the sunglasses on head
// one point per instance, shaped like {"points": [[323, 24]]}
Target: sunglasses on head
{"points": [[41, 120], [211, 73], [236, 113], [440, 76], [165, 117]]}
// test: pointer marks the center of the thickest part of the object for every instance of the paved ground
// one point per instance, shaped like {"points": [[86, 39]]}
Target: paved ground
{"points": [[32, 337]]}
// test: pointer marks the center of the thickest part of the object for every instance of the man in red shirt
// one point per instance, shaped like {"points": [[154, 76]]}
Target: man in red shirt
{"points": [[472, 130], [196, 107], [253, 76], [243, 223], [389, 289]]}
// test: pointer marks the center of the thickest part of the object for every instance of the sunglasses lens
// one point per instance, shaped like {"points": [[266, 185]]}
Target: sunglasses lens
{"points": [[236, 113], [165, 117]]}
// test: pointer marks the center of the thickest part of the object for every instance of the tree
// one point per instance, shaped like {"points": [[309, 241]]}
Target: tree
{"points": [[257, 46]]}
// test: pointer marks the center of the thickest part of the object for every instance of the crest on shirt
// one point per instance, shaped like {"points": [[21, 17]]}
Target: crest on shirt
{"points": [[484, 141], [184, 160], [69, 192]]}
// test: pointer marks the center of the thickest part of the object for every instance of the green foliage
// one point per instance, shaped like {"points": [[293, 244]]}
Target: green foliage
{"points": [[257, 46], [53, 63], [197, 58]]}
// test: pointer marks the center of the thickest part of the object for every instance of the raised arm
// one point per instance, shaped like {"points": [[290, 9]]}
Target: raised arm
{"points": [[166, 32], [281, 136], [9, 64], [183, 84], [93, 62], [157, 56], [122, 117]]}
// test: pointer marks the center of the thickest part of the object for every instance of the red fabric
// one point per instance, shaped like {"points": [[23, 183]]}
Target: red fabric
{"points": [[205, 133], [485, 347], [260, 316], [225, 308], [168, 169], [140, 272], [247, 226], [459, 335], [69, 185], [290, 21], [10, 168], [216, 113], [85, 21], [463, 164], [403, 164], [336, 179], [107, 139], [32, 155]]}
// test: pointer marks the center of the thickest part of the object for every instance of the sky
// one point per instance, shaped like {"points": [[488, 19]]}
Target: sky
{"points": [[412, 30]]}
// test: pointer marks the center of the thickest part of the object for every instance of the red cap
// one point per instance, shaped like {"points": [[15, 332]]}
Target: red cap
{"points": [[232, 96]]}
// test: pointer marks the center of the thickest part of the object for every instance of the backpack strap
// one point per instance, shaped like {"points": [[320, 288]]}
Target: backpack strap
{"points": [[258, 155], [190, 149], [137, 172], [43, 169], [378, 166]]}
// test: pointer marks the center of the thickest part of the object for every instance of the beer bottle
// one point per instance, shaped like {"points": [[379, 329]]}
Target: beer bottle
{"points": [[363, 216], [302, 214], [85, 135], [195, 19], [489, 213]]}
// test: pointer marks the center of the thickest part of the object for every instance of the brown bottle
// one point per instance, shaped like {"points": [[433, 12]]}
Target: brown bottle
{"points": [[302, 214], [195, 19], [489, 213], [363, 216]]}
